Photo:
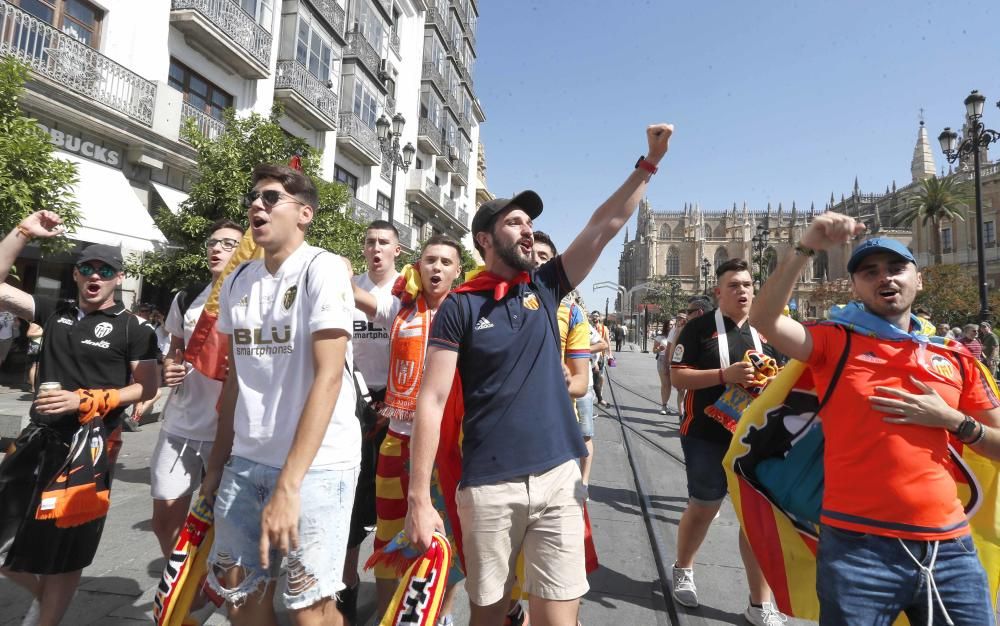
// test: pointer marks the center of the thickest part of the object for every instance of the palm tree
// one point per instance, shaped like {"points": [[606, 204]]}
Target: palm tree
{"points": [[937, 200]]}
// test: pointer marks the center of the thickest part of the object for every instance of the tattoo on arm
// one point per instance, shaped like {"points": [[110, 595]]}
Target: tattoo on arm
{"points": [[17, 302]]}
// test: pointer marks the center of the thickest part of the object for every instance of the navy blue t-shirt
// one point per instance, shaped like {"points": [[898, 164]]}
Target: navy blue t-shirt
{"points": [[519, 418]]}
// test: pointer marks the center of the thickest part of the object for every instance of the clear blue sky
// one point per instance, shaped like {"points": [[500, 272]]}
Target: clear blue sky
{"points": [[775, 101]]}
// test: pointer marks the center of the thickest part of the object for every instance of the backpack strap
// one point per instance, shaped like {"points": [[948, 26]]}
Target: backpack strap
{"points": [[838, 370]]}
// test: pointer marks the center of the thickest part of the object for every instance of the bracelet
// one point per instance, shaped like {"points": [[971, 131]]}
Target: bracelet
{"points": [[642, 163], [24, 231], [980, 436], [722, 380], [804, 251]]}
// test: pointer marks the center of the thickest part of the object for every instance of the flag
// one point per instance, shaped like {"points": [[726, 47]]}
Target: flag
{"points": [[417, 600], [185, 571]]}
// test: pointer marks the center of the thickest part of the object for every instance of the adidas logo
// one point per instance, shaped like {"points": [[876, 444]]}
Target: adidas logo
{"points": [[483, 324], [870, 357]]}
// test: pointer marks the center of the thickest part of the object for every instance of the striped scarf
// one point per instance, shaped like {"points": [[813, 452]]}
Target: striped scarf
{"points": [[407, 348]]}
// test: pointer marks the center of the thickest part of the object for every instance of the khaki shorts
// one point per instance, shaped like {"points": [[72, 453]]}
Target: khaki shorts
{"points": [[541, 514]]}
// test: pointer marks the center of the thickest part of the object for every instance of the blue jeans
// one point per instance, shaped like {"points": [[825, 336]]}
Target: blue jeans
{"points": [[315, 568], [706, 480], [868, 579]]}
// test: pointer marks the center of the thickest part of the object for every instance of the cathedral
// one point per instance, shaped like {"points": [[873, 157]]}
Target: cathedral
{"points": [[686, 246]]}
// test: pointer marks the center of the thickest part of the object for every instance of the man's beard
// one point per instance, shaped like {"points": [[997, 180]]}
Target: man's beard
{"points": [[511, 255]]}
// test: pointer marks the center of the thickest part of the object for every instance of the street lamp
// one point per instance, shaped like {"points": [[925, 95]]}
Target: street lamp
{"points": [[759, 243], [706, 270], [388, 140], [955, 148]]}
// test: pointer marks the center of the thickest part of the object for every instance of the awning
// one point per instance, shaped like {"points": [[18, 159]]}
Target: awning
{"points": [[170, 196], [110, 211]]}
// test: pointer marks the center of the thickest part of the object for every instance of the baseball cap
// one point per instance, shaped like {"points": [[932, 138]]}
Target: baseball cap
{"points": [[528, 201], [878, 244], [100, 252]]}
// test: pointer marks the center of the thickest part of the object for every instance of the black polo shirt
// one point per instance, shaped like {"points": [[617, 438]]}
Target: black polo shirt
{"points": [[698, 348], [89, 351]]}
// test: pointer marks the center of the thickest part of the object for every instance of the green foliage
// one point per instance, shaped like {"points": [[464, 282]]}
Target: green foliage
{"points": [[937, 200], [951, 295], [666, 293], [223, 177], [31, 178]]}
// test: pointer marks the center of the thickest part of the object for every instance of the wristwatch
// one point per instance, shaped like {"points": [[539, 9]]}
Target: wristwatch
{"points": [[646, 165], [965, 430]]}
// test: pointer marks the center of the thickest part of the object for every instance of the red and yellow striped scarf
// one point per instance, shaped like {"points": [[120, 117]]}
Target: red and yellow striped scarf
{"points": [[407, 348]]}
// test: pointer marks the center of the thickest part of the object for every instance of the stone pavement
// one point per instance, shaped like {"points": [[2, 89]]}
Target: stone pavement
{"points": [[117, 589]]}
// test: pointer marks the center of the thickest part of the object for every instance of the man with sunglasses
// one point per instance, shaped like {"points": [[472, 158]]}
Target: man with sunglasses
{"points": [[104, 359], [190, 416], [286, 416]]}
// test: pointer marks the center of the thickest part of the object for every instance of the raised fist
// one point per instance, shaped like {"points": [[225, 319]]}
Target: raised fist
{"points": [[831, 229], [658, 137], [43, 224]]}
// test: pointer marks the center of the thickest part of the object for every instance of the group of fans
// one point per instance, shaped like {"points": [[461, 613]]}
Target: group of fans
{"points": [[278, 444], [297, 485]]}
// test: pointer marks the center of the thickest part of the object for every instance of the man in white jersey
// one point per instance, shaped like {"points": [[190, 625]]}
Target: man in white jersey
{"points": [[190, 416], [287, 416], [371, 359]]}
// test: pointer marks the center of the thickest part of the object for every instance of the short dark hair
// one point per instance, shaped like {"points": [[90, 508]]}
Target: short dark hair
{"points": [[731, 265], [700, 302], [382, 225], [144, 308], [443, 240], [295, 182], [544, 238], [224, 222]]}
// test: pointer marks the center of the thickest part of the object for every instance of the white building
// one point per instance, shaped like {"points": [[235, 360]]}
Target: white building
{"points": [[113, 81]]}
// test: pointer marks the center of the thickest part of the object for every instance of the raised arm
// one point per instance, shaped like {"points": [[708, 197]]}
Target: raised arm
{"points": [[41, 225], [610, 217], [439, 373], [783, 332]]}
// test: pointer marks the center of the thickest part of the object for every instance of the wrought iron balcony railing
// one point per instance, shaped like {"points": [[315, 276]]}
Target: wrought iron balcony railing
{"points": [[363, 213], [459, 9], [361, 49], [463, 217], [333, 13], [431, 73], [390, 105], [437, 14], [292, 75], [207, 125], [352, 126], [450, 207], [429, 132], [235, 22], [405, 234], [394, 43], [84, 71]]}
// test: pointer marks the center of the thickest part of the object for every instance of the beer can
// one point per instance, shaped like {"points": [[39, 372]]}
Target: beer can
{"points": [[50, 386]]}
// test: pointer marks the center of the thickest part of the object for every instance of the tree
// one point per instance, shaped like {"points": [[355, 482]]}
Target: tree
{"points": [[224, 166], [668, 295], [828, 293], [951, 295], [31, 178], [937, 200]]}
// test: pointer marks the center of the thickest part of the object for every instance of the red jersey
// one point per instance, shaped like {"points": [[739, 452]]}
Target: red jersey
{"points": [[890, 479]]}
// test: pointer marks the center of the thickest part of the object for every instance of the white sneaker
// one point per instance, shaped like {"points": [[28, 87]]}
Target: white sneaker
{"points": [[764, 615], [684, 590], [663, 410]]}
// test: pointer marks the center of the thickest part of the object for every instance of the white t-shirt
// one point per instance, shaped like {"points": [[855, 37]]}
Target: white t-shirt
{"points": [[371, 339], [595, 337], [271, 319], [190, 410], [7, 322]]}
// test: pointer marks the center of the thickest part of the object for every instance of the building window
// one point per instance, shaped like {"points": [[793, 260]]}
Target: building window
{"points": [[260, 10], [946, 239], [990, 234], [312, 49], [365, 103], [664, 231], [721, 256], [198, 91], [673, 262], [370, 25], [77, 18], [419, 225], [821, 266], [382, 203], [343, 176]]}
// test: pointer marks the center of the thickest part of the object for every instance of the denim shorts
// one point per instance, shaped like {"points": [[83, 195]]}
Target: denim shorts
{"points": [[703, 464], [315, 569], [585, 414]]}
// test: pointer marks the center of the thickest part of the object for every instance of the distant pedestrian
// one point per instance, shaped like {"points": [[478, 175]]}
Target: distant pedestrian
{"points": [[8, 325], [944, 330], [970, 339], [619, 337], [991, 346], [660, 343], [599, 361]]}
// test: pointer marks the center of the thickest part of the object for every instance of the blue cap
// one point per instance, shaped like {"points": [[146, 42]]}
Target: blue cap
{"points": [[878, 244]]}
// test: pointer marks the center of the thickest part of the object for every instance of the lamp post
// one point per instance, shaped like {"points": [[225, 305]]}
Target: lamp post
{"points": [[760, 242], [706, 269], [979, 139], [388, 140]]}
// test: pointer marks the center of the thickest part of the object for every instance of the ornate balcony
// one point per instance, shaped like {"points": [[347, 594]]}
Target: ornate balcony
{"points": [[423, 190], [459, 9], [463, 217], [448, 159], [86, 74], [405, 235], [207, 125], [363, 213], [450, 207], [432, 74], [333, 14], [429, 137], [306, 98], [394, 43], [359, 48], [226, 33], [358, 140], [390, 105], [437, 15], [461, 173]]}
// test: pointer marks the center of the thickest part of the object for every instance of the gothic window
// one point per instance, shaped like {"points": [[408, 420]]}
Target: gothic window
{"points": [[665, 231], [708, 231], [721, 256], [673, 262], [720, 231], [771, 260], [821, 266]]}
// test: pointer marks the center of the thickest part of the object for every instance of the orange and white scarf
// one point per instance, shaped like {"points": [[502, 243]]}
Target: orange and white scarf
{"points": [[407, 348]]}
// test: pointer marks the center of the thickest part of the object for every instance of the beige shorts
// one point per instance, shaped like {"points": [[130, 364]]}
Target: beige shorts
{"points": [[541, 514]]}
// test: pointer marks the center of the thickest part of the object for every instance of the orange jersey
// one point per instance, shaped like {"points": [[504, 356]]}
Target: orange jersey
{"points": [[888, 479]]}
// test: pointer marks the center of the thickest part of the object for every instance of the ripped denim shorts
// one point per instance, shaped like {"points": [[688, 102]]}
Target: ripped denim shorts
{"points": [[315, 569]]}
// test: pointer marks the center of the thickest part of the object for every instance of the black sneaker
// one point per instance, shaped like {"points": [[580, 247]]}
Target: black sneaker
{"points": [[347, 603]]}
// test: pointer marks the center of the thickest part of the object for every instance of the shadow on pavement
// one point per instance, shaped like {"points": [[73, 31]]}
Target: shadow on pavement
{"points": [[611, 588], [139, 475], [714, 615], [624, 501]]}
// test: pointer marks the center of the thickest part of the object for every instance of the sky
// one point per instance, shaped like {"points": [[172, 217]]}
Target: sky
{"points": [[776, 101]]}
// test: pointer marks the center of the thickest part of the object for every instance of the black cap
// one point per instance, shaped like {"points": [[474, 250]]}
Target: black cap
{"points": [[100, 252], [527, 201]]}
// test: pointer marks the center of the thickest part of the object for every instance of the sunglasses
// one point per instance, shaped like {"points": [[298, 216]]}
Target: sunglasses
{"points": [[269, 197], [87, 270], [226, 243]]}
